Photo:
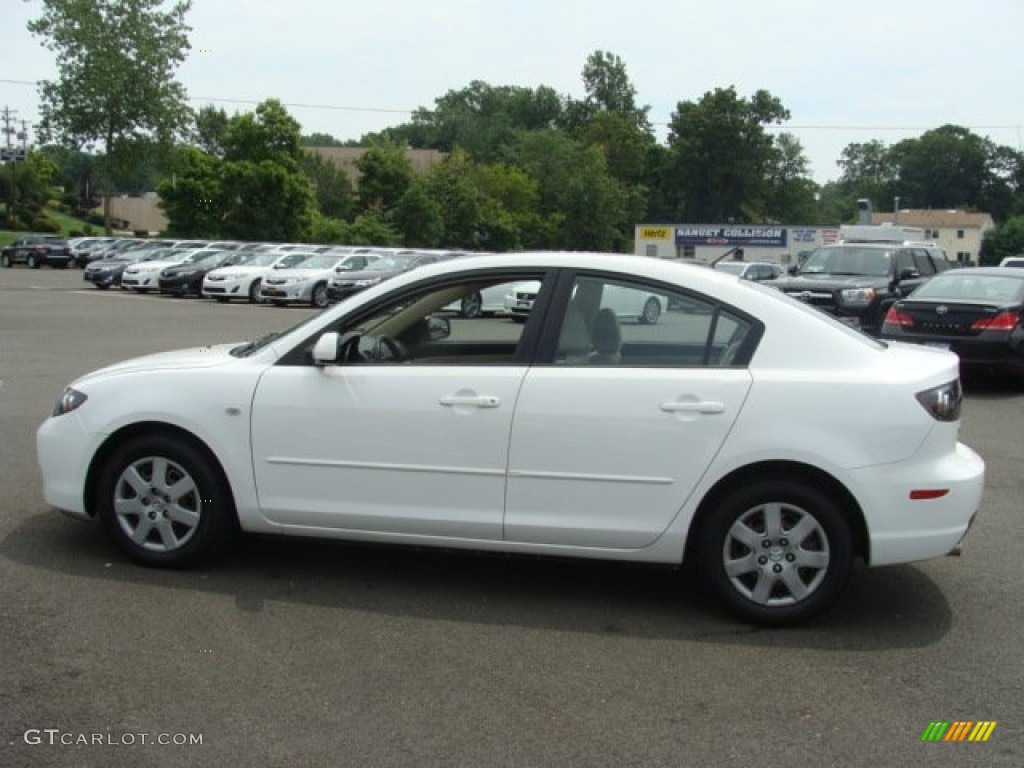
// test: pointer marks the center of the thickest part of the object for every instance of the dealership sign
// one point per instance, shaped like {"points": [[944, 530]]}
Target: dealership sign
{"points": [[731, 236]]}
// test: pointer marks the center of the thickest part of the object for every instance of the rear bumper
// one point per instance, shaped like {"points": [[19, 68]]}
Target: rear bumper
{"points": [[902, 529]]}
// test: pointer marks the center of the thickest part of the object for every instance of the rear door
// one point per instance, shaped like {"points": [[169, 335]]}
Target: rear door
{"points": [[605, 455]]}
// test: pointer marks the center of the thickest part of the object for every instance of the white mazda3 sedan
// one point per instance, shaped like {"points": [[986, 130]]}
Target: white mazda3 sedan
{"points": [[745, 434]]}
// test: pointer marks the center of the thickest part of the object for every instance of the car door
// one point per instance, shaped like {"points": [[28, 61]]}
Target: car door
{"points": [[605, 455], [408, 437]]}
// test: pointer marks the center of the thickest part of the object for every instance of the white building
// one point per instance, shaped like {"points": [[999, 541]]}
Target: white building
{"points": [[772, 242]]}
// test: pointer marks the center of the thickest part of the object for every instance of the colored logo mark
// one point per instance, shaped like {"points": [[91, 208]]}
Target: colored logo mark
{"points": [[958, 730]]}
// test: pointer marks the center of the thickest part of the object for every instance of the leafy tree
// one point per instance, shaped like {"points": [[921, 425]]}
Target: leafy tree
{"points": [[193, 198], [721, 154], [371, 227], [33, 183], [115, 85], [608, 89], [789, 195], [1006, 240], [211, 126], [480, 118], [385, 176], [869, 171], [584, 207], [452, 187], [418, 216], [331, 186], [320, 140]]}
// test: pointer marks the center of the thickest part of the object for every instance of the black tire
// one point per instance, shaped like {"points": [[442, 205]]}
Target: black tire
{"points": [[771, 578], [184, 515], [254, 291], [6, 260], [472, 306], [319, 298], [31, 263], [102, 286], [651, 312], [222, 299]]}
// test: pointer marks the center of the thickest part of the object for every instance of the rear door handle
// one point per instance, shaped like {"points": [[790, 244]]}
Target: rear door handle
{"points": [[699, 406], [474, 401]]}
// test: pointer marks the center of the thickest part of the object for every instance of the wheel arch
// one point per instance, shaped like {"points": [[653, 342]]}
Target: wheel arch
{"points": [[775, 470], [148, 428]]}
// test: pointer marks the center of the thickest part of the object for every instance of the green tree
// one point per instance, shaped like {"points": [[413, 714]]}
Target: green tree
{"points": [[418, 216], [721, 154], [869, 171], [115, 84], [583, 206], [385, 176], [193, 197], [1006, 240], [211, 126], [331, 186], [790, 192], [609, 90]]}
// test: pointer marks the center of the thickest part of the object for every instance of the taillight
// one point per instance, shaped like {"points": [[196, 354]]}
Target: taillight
{"points": [[899, 318], [1004, 321], [943, 402]]}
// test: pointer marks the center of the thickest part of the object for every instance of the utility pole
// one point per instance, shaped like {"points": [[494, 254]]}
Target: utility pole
{"points": [[8, 155]]}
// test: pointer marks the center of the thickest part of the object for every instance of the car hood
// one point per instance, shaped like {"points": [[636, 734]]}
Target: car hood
{"points": [[241, 271], [192, 358], [365, 274], [827, 282], [299, 272]]}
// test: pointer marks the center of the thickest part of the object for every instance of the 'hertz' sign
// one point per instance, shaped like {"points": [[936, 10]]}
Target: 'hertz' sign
{"points": [[655, 233]]}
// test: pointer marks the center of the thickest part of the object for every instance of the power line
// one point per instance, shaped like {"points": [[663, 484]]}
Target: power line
{"points": [[395, 111]]}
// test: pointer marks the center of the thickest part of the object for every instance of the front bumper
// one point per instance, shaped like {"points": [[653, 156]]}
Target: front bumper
{"points": [[287, 293], [63, 451]]}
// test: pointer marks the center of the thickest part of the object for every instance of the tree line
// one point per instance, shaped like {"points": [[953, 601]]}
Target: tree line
{"points": [[524, 167]]}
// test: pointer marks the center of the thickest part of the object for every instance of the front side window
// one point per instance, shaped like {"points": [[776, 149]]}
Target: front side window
{"points": [[617, 323], [433, 327]]}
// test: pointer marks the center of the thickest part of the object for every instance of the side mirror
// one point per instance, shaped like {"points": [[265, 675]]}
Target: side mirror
{"points": [[438, 328], [325, 351]]}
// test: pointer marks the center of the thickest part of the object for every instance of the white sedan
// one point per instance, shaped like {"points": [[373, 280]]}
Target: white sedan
{"points": [[303, 281], [710, 438], [145, 275], [242, 281]]}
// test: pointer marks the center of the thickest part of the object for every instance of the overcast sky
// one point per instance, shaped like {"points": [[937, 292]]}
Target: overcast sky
{"points": [[847, 71]]}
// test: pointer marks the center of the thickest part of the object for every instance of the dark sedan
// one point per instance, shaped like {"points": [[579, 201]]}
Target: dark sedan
{"points": [[976, 313], [349, 282], [104, 273], [186, 278], [35, 251]]}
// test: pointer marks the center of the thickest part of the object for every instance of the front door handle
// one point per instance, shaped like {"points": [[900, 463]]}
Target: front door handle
{"points": [[698, 406], [474, 401]]}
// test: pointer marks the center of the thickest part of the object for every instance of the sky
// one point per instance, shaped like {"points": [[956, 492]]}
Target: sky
{"points": [[848, 72]]}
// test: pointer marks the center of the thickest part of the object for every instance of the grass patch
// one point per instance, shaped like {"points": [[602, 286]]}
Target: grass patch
{"points": [[68, 224]]}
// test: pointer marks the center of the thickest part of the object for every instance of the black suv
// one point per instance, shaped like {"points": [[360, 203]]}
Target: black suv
{"points": [[858, 282], [36, 250]]}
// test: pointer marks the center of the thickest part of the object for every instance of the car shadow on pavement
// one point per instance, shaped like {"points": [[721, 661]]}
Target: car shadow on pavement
{"points": [[881, 609]]}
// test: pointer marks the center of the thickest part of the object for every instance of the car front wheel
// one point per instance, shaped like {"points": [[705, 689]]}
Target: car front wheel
{"points": [[254, 291], [6, 260], [162, 502], [319, 298], [31, 262], [778, 552]]}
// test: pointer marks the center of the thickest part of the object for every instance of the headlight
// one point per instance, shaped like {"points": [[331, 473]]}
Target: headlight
{"points": [[943, 402], [68, 401], [857, 297]]}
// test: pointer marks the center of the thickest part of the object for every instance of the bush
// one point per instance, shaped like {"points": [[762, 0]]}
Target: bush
{"points": [[88, 231], [45, 224], [97, 219]]}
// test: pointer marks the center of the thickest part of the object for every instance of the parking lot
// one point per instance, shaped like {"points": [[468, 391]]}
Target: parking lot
{"points": [[293, 652]]}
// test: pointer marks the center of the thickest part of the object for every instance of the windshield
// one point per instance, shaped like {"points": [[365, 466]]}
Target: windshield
{"points": [[394, 263], [848, 260], [965, 286], [732, 267]]}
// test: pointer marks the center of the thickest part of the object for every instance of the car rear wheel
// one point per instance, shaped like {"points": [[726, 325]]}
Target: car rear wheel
{"points": [[254, 291], [162, 501], [778, 552], [31, 262], [652, 311], [6, 260]]}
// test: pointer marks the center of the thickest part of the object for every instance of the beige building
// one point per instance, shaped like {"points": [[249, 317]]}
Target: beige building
{"points": [[958, 233]]}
